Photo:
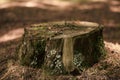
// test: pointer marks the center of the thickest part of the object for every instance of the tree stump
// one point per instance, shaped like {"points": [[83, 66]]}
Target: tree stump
{"points": [[62, 47]]}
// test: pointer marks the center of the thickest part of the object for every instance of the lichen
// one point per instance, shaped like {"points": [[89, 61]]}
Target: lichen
{"points": [[40, 48], [55, 67], [78, 59]]}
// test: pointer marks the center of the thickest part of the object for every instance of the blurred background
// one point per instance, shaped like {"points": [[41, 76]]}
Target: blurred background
{"points": [[17, 14]]}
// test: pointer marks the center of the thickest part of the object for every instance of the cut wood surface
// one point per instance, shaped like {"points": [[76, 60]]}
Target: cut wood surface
{"points": [[62, 47]]}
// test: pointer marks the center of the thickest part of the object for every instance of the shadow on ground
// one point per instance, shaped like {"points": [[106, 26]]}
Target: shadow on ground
{"points": [[16, 16]]}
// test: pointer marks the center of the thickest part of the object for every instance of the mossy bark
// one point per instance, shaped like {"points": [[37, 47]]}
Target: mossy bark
{"points": [[62, 47]]}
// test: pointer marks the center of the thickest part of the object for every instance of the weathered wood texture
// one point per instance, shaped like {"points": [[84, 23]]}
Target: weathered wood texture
{"points": [[62, 47]]}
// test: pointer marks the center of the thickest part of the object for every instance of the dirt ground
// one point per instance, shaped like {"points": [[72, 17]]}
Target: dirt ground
{"points": [[16, 15]]}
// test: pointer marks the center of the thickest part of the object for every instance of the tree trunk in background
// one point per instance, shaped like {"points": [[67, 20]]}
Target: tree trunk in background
{"points": [[62, 47]]}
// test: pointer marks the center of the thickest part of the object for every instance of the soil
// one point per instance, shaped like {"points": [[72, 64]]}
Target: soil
{"points": [[16, 16]]}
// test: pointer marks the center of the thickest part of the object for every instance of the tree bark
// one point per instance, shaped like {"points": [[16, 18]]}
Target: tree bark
{"points": [[62, 47]]}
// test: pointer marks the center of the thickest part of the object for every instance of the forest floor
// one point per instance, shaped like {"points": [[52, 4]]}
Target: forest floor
{"points": [[15, 16]]}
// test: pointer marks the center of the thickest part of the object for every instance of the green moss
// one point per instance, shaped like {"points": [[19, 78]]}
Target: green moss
{"points": [[40, 49], [32, 51]]}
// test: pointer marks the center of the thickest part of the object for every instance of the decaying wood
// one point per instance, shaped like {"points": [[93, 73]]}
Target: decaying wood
{"points": [[67, 57], [62, 47]]}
